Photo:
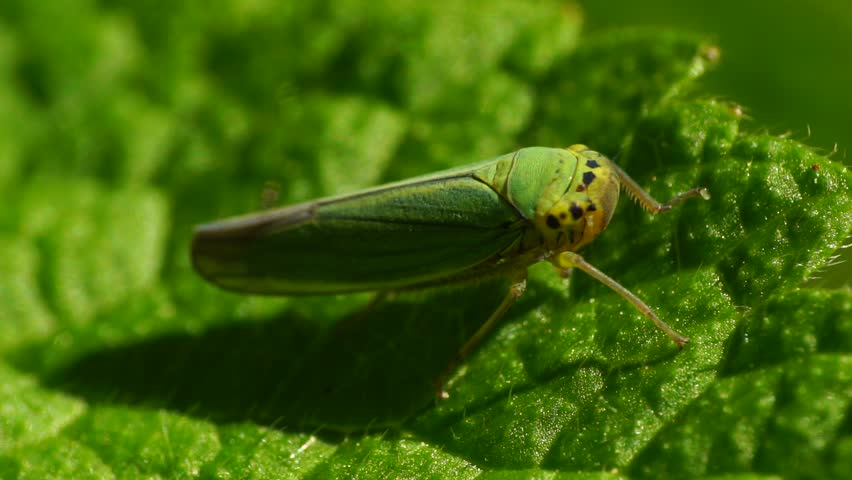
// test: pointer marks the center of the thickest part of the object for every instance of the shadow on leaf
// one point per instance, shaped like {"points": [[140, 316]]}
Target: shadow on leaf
{"points": [[371, 370]]}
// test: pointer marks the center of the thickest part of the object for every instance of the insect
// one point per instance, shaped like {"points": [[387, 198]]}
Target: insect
{"points": [[492, 218]]}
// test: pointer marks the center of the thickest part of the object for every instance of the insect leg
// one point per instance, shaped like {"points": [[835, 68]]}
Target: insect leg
{"points": [[515, 291], [571, 259], [350, 322], [380, 297], [648, 202]]}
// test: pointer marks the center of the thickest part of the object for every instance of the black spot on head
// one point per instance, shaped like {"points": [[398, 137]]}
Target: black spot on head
{"points": [[553, 222], [588, 177], [592, 164], [563, 215], [581, 188], [591, 208], [576, 211]]}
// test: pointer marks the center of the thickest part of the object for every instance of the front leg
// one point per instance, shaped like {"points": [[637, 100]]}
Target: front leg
{"points": [[570, 259]]}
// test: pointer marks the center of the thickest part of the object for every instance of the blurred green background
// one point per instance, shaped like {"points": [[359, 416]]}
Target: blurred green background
{"points": [[787, 62]]}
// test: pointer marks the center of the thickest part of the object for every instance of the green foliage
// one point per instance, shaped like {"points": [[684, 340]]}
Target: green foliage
{"points": [[124, 123]]}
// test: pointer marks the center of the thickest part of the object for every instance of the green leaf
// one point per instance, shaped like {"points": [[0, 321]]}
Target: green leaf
{"points": [[124, 128]]}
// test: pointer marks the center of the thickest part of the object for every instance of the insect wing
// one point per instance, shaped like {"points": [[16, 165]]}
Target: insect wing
{"points": [[388, 237]]}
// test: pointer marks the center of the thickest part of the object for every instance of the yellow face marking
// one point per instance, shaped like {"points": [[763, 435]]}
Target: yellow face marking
{"points": [[583, 210]]}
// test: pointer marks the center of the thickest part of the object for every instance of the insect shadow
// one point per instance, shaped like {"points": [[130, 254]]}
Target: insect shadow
{"points": [[373, 369]]}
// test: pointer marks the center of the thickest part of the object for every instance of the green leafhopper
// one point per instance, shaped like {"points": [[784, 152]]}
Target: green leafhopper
{"points": [[492, 218]]}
